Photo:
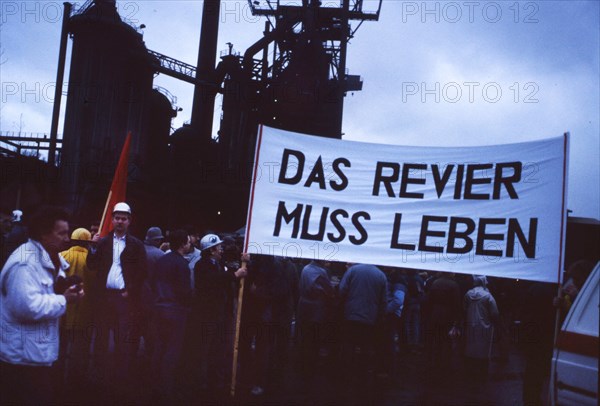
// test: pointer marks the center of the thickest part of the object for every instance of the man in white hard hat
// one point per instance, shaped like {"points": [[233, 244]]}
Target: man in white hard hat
{"points": [[214, 289], [120, 262], [17, 235]]}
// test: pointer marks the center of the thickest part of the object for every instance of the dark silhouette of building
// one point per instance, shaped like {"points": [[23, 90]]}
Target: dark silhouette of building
{"points": [[110, 93], [293, 78]]}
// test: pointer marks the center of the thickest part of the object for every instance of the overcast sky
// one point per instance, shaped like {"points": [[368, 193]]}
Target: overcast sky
{"points": [[435, 73]]}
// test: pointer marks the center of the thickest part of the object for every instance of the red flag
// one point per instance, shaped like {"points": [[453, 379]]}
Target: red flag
{"points": [[118, 187]]}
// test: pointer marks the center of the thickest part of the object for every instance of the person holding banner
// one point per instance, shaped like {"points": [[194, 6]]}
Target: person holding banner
{"points": [[214, 287], [119, 260], [575, 277]]}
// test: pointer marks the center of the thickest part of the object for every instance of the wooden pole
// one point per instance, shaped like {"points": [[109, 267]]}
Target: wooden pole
{"points": [[18, 196], [236, 341], [105, 211]]}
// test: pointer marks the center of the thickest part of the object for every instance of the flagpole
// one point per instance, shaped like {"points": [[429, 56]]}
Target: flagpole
{"points": [[105, 211], [245, 259], [236, 342], [118, 187]]}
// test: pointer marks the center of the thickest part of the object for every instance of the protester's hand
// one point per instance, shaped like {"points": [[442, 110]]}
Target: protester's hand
{"points": [[558, 301], [245, 257], [165, 246], [96, 237], [570, 290], [241, 273], [74, 293]]}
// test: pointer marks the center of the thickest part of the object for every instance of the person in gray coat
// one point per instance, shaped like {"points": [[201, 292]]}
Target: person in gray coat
{"points": [[363, 292], [481, 315], [316, 295], [154, 238]]}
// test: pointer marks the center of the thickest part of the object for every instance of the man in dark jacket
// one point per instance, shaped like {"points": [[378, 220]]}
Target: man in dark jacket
{"points": [[170, 282], [314, 313], [120, 262], [442, 315], [214, 284]]}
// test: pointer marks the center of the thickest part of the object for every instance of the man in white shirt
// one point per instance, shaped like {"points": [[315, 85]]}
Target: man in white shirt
{"points": [[120, 262]]}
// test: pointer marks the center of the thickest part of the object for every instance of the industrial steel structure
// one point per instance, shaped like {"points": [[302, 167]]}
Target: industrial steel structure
{"points": [[293, 78]]}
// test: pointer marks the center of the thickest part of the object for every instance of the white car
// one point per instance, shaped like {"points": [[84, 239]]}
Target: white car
{"points": [[574, 379]]}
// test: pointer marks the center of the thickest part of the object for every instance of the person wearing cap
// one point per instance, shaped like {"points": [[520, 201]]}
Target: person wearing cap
{"points": [[214, 287], [76, 256], [119, 260], [79, 315], [154, 238], [16, 236]]}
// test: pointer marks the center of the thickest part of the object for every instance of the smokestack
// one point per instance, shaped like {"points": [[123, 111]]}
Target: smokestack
{"points": [[204, 95]]}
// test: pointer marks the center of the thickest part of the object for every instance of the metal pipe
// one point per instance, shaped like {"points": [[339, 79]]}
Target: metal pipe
{"points": [[265, 59], [344, 43], [60, 74]]}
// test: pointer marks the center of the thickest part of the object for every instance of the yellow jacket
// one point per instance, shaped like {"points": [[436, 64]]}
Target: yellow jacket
{"points": [[79, 314]]}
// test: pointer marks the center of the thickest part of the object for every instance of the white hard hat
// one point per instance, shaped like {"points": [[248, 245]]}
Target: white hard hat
{"points": [[16, 215], [122, 207], [209, 241]]}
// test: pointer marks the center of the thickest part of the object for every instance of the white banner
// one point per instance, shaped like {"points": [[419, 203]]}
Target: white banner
{"points": [[493, 210]]}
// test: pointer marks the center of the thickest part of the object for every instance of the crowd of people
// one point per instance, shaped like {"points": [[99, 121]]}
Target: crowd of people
{"points": [[79, 309]]}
